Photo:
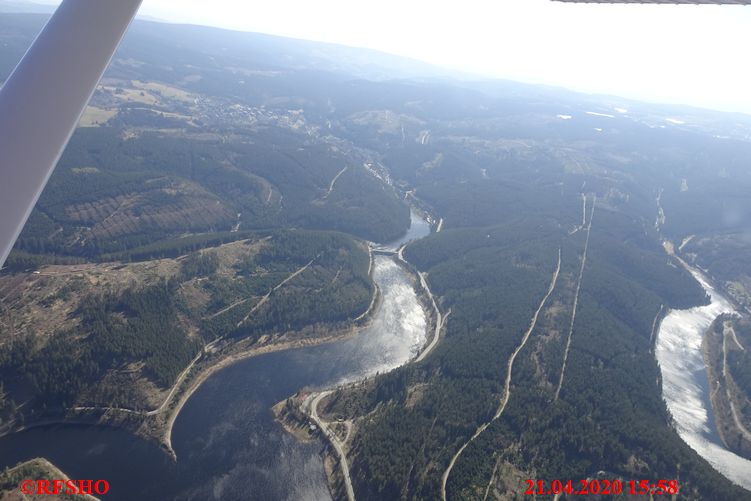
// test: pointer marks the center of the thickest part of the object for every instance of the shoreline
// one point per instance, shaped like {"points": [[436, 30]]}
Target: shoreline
{"points": [[163, 430], [721, 394], [156, 424], [436, 319], [35, 466], [293, 419], [152, 425], [733, 437], [165, 437], [683, 364], [289, 415], [157, 427]]}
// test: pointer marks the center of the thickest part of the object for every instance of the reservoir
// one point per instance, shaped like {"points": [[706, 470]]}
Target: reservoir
{"points": [[685, 385], [227, 443], [418, 228]]}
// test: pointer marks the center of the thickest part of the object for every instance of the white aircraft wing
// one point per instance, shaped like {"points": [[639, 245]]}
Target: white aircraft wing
{"points": [[42, 101]]}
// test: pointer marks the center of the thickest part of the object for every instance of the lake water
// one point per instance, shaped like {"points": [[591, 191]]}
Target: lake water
{"points": [[228, 445], [418, 228], [685, 385]]}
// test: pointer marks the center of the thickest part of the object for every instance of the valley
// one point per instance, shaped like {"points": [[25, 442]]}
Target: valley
{"points": [[463, 282]]}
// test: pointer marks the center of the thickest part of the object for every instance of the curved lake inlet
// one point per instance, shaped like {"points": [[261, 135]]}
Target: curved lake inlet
{"points": [[418, 228], [685, 385], [227, 442]]}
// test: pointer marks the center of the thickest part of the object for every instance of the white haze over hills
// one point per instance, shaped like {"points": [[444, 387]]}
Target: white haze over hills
{"points": [[679, 54]]}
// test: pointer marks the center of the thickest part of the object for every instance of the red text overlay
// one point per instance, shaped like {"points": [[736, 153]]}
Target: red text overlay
{"points": [[70, 487]]}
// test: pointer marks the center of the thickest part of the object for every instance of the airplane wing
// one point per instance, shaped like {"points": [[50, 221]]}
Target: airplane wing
{"points": [[44, 98]]}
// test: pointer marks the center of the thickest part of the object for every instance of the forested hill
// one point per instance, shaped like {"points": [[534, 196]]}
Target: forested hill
{"points": [[173, 144], [183, 214]]}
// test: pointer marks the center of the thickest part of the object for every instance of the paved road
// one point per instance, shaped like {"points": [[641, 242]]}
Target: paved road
{"points": [[439, 318], [334, 440]]}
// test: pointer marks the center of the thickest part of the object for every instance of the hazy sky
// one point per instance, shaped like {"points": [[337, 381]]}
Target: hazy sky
{"points": [[667, 53]]}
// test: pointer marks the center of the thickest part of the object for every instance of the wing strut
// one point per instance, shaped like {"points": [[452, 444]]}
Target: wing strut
{"points": [[43, 99]]}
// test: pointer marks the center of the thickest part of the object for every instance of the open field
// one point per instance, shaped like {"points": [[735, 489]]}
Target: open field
{"points": [[95, 117]]}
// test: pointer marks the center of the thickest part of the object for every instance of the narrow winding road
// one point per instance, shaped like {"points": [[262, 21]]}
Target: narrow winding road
{"points": [[315, 399], [576, 301], [735, 338], [164, 403], [440, 319], [181, 378], [226, 309], [333, 439], [276, 288], [507, 386], [333, 182], [654, 328], [727, 330]]}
